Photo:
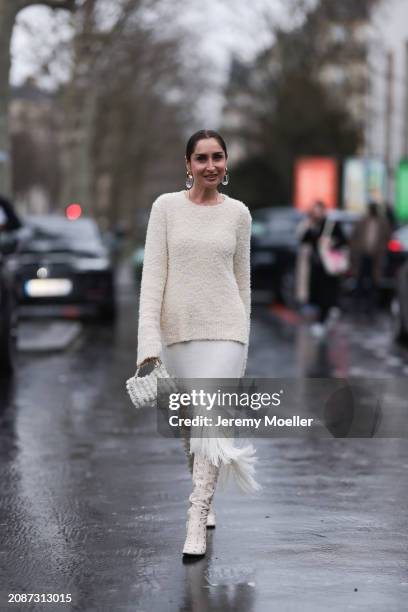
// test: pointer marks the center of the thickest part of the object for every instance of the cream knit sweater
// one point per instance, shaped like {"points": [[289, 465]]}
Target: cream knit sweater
{"points": [[196, 274]]}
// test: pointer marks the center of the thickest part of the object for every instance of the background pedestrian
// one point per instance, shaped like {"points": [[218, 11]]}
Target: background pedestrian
{"points": [[316, 287], [368, 249]]}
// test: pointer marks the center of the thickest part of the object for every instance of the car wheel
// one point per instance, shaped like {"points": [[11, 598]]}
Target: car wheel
{"points": [[108, 313], [8, 341], [398, 328]]}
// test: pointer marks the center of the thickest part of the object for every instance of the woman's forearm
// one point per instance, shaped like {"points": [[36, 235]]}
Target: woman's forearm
{"points": [[154, 276]]}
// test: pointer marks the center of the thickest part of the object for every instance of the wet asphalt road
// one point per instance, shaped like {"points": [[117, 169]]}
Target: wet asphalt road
{"points": [[93, 501]]}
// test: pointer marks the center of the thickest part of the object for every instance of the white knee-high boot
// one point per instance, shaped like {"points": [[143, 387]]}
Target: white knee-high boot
{"points": [[205, 476], [190, 458]]}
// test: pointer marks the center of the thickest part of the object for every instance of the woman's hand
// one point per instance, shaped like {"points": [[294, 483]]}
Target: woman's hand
{"points": [[149, 360]]}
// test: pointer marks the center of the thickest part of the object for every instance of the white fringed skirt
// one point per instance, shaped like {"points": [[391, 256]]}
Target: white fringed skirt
{"points": [[215, 359]]}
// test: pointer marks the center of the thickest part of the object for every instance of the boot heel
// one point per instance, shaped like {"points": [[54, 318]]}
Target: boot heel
{"points": [[211, 518]]}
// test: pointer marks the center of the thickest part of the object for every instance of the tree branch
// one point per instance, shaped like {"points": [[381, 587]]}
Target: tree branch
{"points": [[67, 5]]}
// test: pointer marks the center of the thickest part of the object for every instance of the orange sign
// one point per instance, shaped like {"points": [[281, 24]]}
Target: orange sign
{"points": [[315, 179]]}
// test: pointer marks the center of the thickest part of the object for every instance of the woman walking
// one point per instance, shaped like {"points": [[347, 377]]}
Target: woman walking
{"points": [[195, 306], [322, 289]]}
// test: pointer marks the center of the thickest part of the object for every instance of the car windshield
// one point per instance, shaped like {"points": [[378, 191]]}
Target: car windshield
{"points": [[280, 223], [54, 235]]}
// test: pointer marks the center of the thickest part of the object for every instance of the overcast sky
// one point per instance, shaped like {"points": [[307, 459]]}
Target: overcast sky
{"points": [[390, 33], [219, 27]]}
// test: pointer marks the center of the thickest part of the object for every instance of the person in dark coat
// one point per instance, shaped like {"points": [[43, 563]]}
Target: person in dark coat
{"points": [[368, 251], [323, 288]]}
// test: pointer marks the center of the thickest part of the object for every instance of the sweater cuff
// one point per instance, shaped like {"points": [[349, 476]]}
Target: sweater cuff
{"points": [[148, 350]]}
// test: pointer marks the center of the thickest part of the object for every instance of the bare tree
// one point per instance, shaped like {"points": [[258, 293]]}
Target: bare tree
{"points": [[130, 98], [286, 103], [9, 10]]}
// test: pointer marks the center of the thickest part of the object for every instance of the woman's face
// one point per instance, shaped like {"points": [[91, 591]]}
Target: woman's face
{"points": [[207, 163]]}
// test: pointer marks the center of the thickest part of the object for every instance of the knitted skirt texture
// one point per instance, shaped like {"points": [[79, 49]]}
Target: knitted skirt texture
{"points": [[215, 359]]}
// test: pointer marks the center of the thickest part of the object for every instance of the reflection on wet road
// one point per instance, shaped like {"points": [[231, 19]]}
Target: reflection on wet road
{"points": [[93, 500]]}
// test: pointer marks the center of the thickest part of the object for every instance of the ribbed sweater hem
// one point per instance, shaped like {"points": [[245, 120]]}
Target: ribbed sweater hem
{"points": [[204, 332]]}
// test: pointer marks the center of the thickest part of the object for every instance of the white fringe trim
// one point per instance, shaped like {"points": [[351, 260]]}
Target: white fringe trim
{"points": [[232, 460]]}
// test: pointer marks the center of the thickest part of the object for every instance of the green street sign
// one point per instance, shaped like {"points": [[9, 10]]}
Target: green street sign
{"points": [[401, 203]]}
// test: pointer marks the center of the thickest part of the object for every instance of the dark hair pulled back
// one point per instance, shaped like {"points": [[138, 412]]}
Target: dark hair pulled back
{"points": [[200, 135]]}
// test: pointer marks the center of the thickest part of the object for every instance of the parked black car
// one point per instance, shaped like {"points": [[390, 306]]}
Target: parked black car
{"points": [[9, 226], [399, 305], [397, 254], [274, 246], [8, 306], [65, 270]]}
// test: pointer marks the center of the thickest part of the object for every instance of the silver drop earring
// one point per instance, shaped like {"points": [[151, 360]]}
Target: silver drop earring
{"points": [[225, 180], [189, 181]]}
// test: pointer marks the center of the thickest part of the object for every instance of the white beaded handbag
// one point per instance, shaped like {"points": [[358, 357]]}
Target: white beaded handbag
{"points": [[142, 390]]}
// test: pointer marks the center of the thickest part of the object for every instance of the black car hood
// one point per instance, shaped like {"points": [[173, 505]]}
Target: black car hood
{"points": [[69, 258]]}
